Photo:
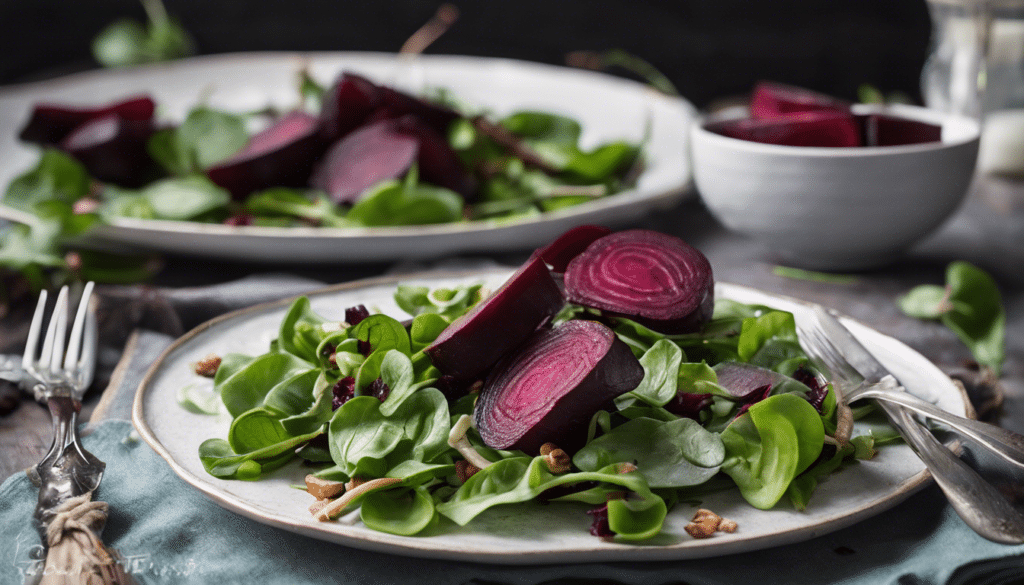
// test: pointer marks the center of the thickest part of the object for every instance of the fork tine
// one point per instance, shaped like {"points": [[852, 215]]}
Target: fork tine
{"points": [[87, 363], [53, 344], [75, 342], [31, 344]]}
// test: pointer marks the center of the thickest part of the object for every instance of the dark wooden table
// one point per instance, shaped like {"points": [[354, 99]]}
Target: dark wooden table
{"points": [[988, 231]]}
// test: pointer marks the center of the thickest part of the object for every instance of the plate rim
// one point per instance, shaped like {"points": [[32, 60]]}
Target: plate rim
{"points": [[131, 231], [380, 542]]}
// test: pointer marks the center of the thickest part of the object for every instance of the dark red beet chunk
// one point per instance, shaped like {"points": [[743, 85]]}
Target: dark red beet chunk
{"points": [[342, 392], [437, 161], [689, 405], [282, 155], [884, 130], [348, 104], [497, 324], [365, 157], [770, 100], [655, 279], [747, 383], [113, 149], [559, 253], [395, 104], [51, 123], [822, 128], [549, 388]]}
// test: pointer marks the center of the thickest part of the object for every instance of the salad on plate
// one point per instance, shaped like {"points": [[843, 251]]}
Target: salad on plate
{"points": [[603, 374]]}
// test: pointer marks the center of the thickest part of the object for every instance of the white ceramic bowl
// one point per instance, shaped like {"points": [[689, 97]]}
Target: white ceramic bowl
{"points": [[836, 208]]}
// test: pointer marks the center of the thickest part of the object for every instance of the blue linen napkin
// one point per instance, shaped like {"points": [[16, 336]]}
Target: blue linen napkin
{"points": [[167, 532]]}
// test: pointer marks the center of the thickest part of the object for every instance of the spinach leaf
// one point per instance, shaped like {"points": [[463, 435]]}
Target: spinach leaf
{"points": [[520, 479], [669, 454], [57, 177], [248, 387], [176, 199], [310, 206], [449, 303], [401, 203], [970, 305], [382, 333], [661, 374], [766, 447], [405, 511], [221, 461], [301, 332], [769, 340], [128, 42], [205, 138]]}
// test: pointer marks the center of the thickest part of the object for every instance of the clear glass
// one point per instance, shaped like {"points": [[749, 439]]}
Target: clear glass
{"points": [[976, 68]]}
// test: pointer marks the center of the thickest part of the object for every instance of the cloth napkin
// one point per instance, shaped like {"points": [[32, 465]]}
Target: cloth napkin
{"points": [[167, 532]]}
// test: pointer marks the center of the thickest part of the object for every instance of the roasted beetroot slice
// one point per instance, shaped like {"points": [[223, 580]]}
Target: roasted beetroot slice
{"points": [[113, 149], [885, 130], [51, 123], [770, 99], [282, 155], [437, 161], [365, 157], [347, 105], [497, 324], [655, 279], [835, 129], [559, 253], [550, 388], [395, 104]]}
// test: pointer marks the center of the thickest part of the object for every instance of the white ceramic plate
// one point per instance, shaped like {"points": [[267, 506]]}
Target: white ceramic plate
{"points": [[609, 108], [525, 534]]}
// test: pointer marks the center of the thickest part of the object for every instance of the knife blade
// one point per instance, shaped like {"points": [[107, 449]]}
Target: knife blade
{"points": [[852, 349]]}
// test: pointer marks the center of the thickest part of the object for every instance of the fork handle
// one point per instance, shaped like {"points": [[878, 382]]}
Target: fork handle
{"points": [[1002, 442], [976, 501]]}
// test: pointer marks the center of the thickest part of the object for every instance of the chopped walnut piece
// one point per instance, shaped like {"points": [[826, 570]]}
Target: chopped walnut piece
{"points": [[558, 461], [625, 468], [465, 470], [207, 367], [705, 523], [323, 489]]}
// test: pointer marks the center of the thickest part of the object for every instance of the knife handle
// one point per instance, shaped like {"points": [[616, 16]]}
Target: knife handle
{"points": [[976, 501]]}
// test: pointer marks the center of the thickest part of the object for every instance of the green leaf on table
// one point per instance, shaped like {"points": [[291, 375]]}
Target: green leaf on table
{"points": [[971, 306], [769, 445]]}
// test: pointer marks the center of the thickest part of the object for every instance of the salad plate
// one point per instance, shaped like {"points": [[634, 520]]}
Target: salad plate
{"points": [[524, 533], [608, 108]]}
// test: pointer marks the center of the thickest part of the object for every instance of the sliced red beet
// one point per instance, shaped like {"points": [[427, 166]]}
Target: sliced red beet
{"points": [[395, 104], [742, 380], [347, 105], [823, 128], [655, 279], [559, 253], [886, 130], [365, 157], [770, 99], [497, 324], [51, 123], [113, 149], [282, 155], [550, 388], [437, 161]]}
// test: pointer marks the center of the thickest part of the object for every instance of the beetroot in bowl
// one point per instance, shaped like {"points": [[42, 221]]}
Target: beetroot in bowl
{"points": [[841, 207]]}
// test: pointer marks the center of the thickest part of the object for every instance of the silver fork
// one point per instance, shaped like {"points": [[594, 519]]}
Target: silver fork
{"points": [[976, 501], [1005, 444], [67, 470]]}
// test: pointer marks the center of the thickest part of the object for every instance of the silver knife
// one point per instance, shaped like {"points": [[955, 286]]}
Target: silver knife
{"points": [[976, 501]]}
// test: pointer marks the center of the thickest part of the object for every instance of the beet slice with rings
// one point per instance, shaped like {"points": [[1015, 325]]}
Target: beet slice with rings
{"points": [[823, 128], [559, 253], [282, 155], [347, 105], [653, 278], [550, 388], [113, 150], [770, 99], [52, 123], [365, 157], [468, 347]]}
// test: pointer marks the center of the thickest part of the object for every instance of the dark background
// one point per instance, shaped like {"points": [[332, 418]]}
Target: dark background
{"points": [[708, 48]]}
